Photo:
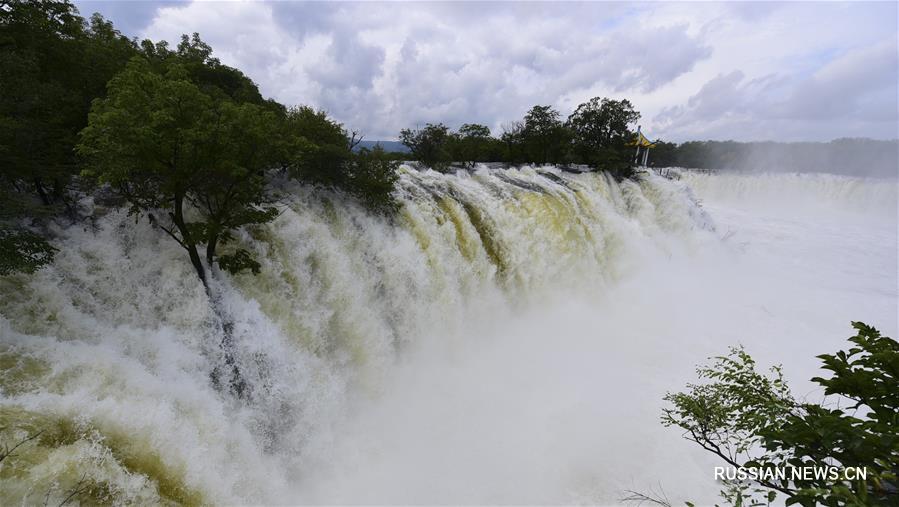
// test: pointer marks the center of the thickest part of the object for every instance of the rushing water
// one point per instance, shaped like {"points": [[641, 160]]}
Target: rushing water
{"points": [[506, 339]]}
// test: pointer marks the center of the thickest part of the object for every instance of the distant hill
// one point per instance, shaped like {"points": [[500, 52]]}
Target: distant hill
{"points": [[389, 146]]}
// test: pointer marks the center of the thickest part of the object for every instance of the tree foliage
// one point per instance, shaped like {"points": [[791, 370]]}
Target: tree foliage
{"points": [[544, 136], [371, 178], [163, 142], [23, 251], [512, 139], [189, 142], [750, 419], [429, 144], [472, 142], [601, 133], [53, 63], [596, 134], [320, 151]]}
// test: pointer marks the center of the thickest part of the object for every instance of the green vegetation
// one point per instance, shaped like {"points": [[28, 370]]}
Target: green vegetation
{"points": [[186, 141], [429, 145], [600, 132], [597, 134], [750, 419], [192, 145], [54, 63], [320, 151], [162, 142], [472, 142], [23, 251], [543, 136], [179, 128]]}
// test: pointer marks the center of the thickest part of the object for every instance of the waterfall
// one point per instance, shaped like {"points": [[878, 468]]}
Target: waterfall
{"points": [[108, 352]]}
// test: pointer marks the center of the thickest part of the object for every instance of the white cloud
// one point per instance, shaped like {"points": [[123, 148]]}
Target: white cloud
{"points": [[709, 70], [856, 91]]}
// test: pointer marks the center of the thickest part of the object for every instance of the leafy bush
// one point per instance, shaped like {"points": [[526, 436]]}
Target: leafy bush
{"points": [[750, 419], [23, 251], [429, 145]]}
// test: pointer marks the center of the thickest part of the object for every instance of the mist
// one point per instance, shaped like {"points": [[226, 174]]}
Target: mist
{"points": [[853, 157], [508, 340]]}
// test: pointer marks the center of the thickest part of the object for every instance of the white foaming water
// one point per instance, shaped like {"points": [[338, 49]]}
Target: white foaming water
{"points": [[507, 339]]}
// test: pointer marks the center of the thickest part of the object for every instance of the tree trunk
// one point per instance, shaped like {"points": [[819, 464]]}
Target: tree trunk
{"points": [[189, 244], [59, 189], [198, 264], [226, 375], [42, 192], [210, 249]]}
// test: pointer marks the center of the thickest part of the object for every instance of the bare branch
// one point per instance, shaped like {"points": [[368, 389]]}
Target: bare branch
{"points": [[355, 139], [155, 222], [7, 452], [77, 489], [651, 498]]}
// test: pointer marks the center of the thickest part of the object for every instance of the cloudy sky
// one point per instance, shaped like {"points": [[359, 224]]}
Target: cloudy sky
{"points": [[744, 71]]}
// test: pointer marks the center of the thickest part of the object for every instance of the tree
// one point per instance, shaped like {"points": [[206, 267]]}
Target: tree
{"points": [[472, 144], [22, 248], [544, 136], [163, 144], [320, 151], [40, 106], [428, 145], [207, 72], [317, 147], [664, 154], [749, 419], [52, 65], [512, 140], [23, 251], [371, 178], [600, 123], [601, 132]]}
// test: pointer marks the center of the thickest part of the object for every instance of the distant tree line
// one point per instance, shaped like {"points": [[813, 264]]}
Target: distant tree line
{"points": [[843, 156], [598, 134]]}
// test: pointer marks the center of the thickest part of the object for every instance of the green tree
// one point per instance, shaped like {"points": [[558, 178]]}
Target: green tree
{"points": [[316, 146], [52, 65], [320, 151], [40, 107], [207, 72], [544, 136], [473, 144], [429, 145], [512, 140], [663, 155], [750, 419], [601, 132], [371, 178], [23, 251], [164, 144]]}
